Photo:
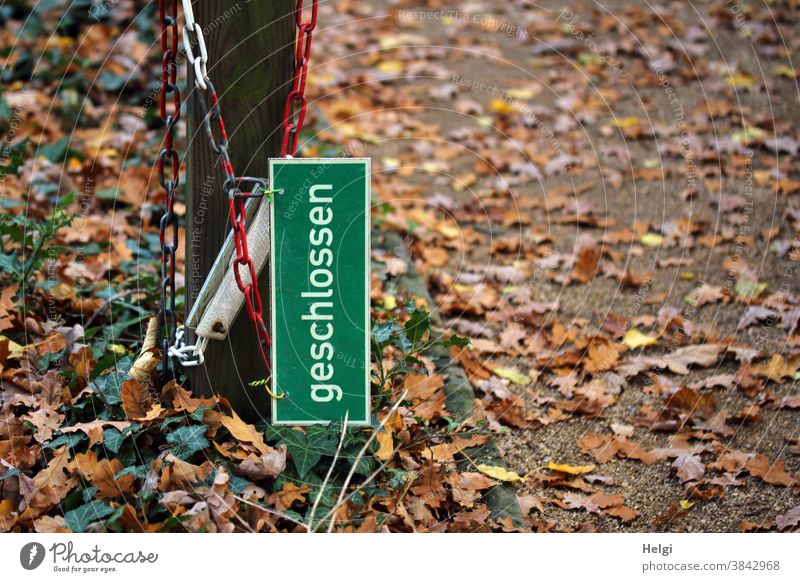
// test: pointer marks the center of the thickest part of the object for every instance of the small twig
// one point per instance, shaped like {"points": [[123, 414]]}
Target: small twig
{"points": [[235, 514], [361, 454], [309, 527], [352, 494], [96, 390], [268, 510]]}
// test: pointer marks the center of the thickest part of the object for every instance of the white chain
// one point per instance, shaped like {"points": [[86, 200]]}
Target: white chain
{"points": [[199, 62], [189, 356]]}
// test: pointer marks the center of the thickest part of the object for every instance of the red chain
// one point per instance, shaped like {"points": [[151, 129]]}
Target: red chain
{"points": [[294, 113], [294, 117]]}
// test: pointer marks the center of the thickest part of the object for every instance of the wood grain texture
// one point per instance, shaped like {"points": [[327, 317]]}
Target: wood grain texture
{"points": [[250, 46]]}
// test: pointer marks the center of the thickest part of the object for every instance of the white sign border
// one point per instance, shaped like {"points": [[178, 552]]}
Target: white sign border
{"points": [[368, 237]]}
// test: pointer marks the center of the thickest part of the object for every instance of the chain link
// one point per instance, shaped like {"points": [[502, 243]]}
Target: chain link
{"points": [[168, 166], [188, 355]]}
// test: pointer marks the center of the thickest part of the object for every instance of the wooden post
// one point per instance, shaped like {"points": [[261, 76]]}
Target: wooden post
{"points": [[250, 59]]}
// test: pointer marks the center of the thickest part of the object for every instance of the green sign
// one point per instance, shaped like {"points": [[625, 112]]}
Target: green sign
{"points": [[320, 290]]}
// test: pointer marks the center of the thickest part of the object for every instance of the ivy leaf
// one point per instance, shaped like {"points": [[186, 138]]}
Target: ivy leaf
{"points": [[187, 440], [71, 440], [199, 413], [110, 387], [79, 519], [56, 151], [303, 457], [273, 434], [138, 471], [111, 360], [307, 448], [113, 438]]}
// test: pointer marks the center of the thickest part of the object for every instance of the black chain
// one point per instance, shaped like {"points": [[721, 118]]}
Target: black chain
{"points": [[169, 178]]}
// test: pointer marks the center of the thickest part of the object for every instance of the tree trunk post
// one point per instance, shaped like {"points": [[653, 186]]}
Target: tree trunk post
{"points": [[250, 59]]}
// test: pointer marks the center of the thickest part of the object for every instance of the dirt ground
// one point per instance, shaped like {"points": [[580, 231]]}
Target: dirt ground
{"points": [[471, 113]]}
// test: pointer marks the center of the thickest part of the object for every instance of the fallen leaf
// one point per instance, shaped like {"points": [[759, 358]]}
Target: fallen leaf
{"points": [[689, 467], [513, 375], [385, 445], [651, 239], [788, 520], [749, 288], [693, 403], [636, 339], [271, 464], [500, 474], [772, 473], [108, 485], [700, 355], [570, 469], [137, 401], [777, 368], [244, 432], [94, 429], [147, 361]]}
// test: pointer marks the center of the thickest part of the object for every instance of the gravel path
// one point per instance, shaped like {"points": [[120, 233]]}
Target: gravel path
{"points": [[589, 171]]}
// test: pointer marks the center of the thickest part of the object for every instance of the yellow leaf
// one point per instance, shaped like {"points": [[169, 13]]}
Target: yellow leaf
{"points": [[570, 469], [143, 366], [625, 122], [784, 71], [762, 177], [432, 167], [512, 375], [391, 163], [15, 350], [500, 473], [322, 79], [740, 80], [391, 67], [501, 107], [448, 230], [389, 301], [651, 239], [636, 339], [686, 504], [147, 361], [522, 94], [748, 134], [391, 41], [386, 449]]}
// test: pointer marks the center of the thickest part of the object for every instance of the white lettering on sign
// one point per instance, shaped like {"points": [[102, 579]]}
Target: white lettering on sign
{"points": [[320, 313]]}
